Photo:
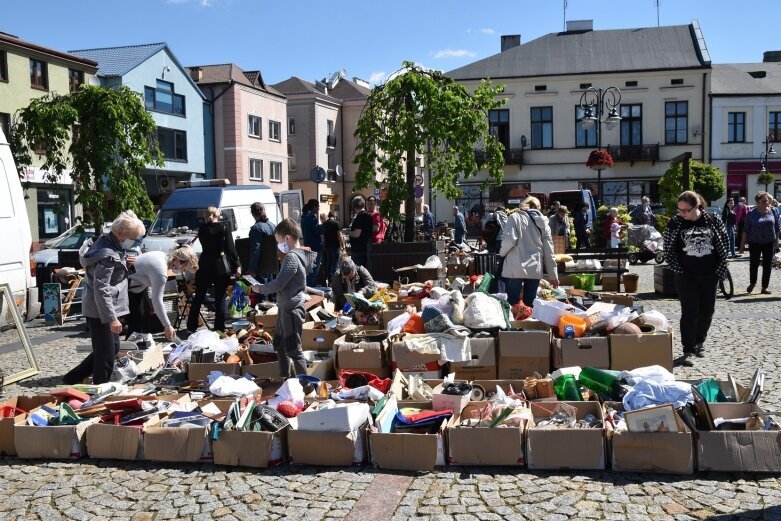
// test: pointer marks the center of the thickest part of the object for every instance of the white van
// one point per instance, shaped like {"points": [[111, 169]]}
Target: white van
{"points": [[182, 213], [16, 267]]}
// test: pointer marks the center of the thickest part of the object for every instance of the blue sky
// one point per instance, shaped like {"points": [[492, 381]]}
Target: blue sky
{"points": [[369, 39]]}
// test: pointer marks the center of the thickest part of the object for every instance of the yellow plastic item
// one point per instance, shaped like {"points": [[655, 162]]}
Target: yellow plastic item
{"points": [[577, 322]]}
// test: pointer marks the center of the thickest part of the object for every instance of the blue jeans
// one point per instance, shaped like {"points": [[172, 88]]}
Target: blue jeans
{"points": [[459, 236], [731, 237], [513, 289]]}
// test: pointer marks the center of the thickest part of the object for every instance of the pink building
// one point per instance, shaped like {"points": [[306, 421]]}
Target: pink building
{"points": [[250, 125]]}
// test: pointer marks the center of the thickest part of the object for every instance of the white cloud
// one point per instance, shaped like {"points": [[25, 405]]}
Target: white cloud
{"points": [[377, 77], [201, 3], [453, 53], [487, 30]]}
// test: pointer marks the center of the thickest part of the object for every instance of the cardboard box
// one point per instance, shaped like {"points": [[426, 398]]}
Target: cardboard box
{"points": [[268, 319], [250, 449], [370, 357], [109, 441], [587, 351], [658, 452], [265, 370], [624, 299], [738, 451], [201, 371], [175, 444], [66, 442], [407, 451], [483, 363], [321, 368], [443, 402], [344, 448], [485, 446], [27, 404], [390, 314], [629, 352], [412, 362], [337, 419], [565, 449], [313, 338], [523, 353]]}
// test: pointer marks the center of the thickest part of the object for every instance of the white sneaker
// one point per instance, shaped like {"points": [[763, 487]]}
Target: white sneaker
{"points": [[150, 341], [136, 337]]}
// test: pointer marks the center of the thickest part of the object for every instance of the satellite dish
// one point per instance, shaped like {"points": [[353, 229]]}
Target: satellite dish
{"points": [[339, 171], [317, 174]]}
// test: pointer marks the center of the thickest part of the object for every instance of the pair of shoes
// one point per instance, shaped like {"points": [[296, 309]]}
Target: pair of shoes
{"points": [[765, 291], [699, 351], [750, 288], [684, 360]]}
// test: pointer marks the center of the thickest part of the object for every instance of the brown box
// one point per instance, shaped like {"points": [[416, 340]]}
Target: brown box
{"points": [[64, 442], [485, 446], [522, 353], [175, 444], [738, 451], [629, 352], [268, 319], [27, 404], [624, 299], [201, 371], [250, 448], [658, 452], [109, 441], [371, 357], [591, 351], [264, 370], [344, 448], [389, 314], [412, 362], [406, 451], [483, 363], [312, 338], [565, 449]]}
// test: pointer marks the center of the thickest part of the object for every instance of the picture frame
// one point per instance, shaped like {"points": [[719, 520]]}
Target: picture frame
{"points": [[652, 420], [702, 411], [15, 347]]}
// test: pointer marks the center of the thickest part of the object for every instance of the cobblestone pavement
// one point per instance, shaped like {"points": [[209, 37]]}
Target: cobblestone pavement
{"points": [[742, 337]]}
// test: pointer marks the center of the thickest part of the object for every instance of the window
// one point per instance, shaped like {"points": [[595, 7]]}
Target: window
{"points": [[631, 125], [162, 98], [39, 75], [274, 131], [774, 126], [275, 171], [229, 217], [331, 138], [3, 66], [583, 137], [172, 143], [75, 133], [630, 84], [256, 169], [540, 88], [676, 122], [291, 158], [499, 126], [291, 126], [677, 81], [5, 124], [736, 127], [75, 79], [584, 86], [626, 193], [542, 127], [253, 126]]}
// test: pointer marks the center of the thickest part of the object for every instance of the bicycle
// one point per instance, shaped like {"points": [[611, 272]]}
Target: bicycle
{"points": [[725, 285]]}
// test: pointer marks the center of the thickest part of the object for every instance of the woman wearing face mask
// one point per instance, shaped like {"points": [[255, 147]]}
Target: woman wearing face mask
{"points": [[148, 282], [290, 287], [218, 248]]}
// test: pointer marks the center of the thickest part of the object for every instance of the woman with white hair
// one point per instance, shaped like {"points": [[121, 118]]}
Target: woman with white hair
{"points": [[105, 297], [148, 283], [527, 253]]}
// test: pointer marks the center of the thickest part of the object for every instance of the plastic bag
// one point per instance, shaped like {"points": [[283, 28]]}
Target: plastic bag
{"points": [[239, 302], [291, 390], [433, 262], [656, 319]]}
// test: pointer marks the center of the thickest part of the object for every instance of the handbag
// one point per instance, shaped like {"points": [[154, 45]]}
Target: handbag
{"points": [[223, 266]]}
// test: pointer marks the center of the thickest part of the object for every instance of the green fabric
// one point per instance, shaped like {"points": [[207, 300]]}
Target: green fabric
{"points": [[584, 281], [68, 416], [711, 391]]}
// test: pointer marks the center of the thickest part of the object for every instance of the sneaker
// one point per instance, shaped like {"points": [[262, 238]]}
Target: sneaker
{"points": [[136, 338], [750, 288], [765, 291], [149, 339], [684, 360], [699, 351]]}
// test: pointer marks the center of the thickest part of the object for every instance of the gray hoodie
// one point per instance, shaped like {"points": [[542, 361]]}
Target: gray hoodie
{"points": [[290, 283], [527, 246], [105, 283]]}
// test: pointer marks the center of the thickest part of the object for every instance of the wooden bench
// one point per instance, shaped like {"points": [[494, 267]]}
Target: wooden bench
{"points": [[602, 255]]}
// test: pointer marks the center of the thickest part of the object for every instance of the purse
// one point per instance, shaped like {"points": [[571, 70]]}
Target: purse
{"points": [[223, 266]]}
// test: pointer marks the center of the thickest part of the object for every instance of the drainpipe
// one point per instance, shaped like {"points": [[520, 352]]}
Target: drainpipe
{"points": [[702, 144], [344, 174], [214, 132]]}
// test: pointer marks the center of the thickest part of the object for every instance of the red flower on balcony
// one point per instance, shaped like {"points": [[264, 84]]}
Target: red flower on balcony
{"points": [[599, 159]]}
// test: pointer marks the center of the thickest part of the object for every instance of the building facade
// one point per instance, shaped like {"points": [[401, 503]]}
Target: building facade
{"points": [[745, 104], [179, 108], [663, 75], [29, 71], [250, 129]]}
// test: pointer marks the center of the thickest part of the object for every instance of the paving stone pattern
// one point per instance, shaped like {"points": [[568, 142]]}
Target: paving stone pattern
{"points": [[743, 336]]}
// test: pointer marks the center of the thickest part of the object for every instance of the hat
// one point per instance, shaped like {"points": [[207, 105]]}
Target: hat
{"points": [[435, 321], [347, 267]]}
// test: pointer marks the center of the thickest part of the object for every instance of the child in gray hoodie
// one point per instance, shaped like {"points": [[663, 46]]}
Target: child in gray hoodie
{"points": [[290, 287]]}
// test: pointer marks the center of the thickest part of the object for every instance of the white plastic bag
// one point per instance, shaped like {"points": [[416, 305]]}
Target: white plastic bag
{"points": [[483, 311], [656, 319], [291, 390], [395, 325], [433, 262], [551, 311]]}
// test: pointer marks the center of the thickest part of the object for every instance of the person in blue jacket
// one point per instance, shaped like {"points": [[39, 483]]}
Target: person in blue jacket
{"points": [[460, 225]]}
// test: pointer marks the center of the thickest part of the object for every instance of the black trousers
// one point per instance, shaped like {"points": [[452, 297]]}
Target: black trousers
{"points": [[287, 341], [203, 281], [100, 362], [139, 309], [360, 258], [697, 294], [756, 251]]}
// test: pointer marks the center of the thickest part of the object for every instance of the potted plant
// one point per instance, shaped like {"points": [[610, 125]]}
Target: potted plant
{"points": [[599, 160]]}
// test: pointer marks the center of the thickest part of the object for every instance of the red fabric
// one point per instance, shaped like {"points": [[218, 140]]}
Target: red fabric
{"points": [[426, 414], [288, 409], [381, 384], [521, 311], [381, 227], [414, 325]]}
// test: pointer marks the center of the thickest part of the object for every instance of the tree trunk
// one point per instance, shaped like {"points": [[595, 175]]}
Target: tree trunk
{"points": [[409, 204]]}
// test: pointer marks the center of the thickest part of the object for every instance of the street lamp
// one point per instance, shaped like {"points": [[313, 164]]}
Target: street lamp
{"points": [[763, 157], [594, 102]]}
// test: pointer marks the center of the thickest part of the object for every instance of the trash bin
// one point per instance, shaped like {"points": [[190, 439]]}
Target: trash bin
{"points": [[630, 282]]}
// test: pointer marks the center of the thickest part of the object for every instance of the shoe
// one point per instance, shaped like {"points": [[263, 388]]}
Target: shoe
{"points": [[750, 289], [766, 291], [136, 338], [699, 351], [149, 339], [684, 360]]}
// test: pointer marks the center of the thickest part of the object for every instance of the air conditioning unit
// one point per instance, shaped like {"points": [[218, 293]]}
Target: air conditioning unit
{"points": [[166, 184]]}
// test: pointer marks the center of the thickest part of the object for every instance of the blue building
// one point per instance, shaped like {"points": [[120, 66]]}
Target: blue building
{"points": [[185, 130]]}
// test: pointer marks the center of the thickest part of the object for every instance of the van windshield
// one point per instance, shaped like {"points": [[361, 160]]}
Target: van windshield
{"points": [[175, 222]]}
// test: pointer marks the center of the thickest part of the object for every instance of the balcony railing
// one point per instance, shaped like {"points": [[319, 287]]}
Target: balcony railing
{"points": [[512, 156], [634, 153]]}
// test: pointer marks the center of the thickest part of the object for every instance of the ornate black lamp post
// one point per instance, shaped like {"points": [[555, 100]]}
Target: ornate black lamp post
{"points": [[599, 106]]}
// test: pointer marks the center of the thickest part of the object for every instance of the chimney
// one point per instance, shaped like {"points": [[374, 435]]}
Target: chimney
{"points": [[510, 40], [771, 56], [580, 25], [196, 73]]}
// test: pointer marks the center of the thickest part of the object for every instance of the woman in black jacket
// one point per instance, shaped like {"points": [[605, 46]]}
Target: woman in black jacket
{"points": [[218, 262]]}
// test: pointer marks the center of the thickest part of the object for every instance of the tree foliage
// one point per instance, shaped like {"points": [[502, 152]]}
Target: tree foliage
{"points": [[706, 180], [422, 113], [114, 142]]}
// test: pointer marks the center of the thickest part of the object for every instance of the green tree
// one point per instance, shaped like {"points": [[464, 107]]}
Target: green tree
{"points": [[766, 178], [113, 143], [422, 113], [707, 180]]}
